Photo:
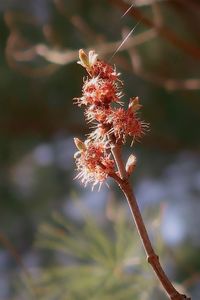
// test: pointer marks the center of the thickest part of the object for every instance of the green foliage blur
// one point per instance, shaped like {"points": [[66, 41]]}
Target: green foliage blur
{"points": [[39, 77], [88, 261]]}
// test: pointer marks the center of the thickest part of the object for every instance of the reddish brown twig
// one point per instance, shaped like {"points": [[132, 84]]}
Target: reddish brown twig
{"points": [[152, 257]]}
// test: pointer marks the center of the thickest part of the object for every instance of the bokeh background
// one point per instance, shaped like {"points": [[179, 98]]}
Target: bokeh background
{"points": [[39, 77]]}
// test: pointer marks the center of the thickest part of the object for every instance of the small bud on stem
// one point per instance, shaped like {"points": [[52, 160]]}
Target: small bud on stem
{"points": [[87, 61], [79, 144], [130, 164], [134, 104]]}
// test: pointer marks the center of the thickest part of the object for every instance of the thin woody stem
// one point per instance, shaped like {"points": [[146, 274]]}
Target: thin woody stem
{"points": [[116, 152], [152, 258]]}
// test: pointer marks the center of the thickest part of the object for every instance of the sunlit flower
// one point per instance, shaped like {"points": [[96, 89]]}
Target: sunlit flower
{"points": [[126, 123], [97, 67], [93, 162], [104, 71], [134, 127], [99, 92], [97, 113], [99, 133]]}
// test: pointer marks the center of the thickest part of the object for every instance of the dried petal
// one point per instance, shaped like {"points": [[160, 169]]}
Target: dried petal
{"points": [[94, 163]]}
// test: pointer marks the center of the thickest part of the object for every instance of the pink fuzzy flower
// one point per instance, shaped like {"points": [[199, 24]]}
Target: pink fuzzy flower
{"points": [[98, 92], [104, 71], [97, 113], [126, 123], [96, 67], [101, 93], [93, 162]]}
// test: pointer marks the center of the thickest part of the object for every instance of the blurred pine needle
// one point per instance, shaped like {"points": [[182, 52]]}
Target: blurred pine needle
{"points": [[95, 262]]}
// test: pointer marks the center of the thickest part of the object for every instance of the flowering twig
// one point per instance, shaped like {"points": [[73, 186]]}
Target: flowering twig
{"points": [[100, 156]]}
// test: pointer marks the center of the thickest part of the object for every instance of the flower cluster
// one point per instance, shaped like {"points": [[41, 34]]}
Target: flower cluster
{"points": [[101, 94], [93, 161], [125, 123]]}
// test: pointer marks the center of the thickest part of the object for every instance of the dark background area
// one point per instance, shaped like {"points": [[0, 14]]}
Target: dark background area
{"points": [[39, 77]]}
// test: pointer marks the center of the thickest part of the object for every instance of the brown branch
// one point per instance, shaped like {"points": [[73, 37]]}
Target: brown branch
{"points": [[140, 3], [68, 56], [189, 5], [14, 57], [157, 15], [152, 258], [170, 84], [164, 32], [88, 35]]}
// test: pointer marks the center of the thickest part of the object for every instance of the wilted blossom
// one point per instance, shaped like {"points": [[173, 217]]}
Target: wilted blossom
{"points": [[113, 123]]}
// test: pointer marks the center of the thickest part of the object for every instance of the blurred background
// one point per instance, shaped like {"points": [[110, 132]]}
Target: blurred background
{"points": [[59, 240]]}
